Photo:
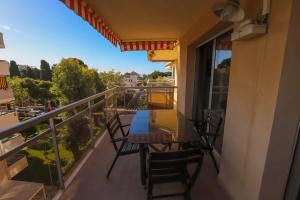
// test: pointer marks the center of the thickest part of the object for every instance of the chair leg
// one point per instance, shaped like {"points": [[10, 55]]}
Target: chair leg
{"points": [[187, 196], [149, 192], [112, 165], [214, 160]]}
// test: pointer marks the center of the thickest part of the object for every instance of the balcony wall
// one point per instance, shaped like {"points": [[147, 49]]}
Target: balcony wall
{"points": [[12, 142], [6, 96], [254, 81], [17, 166], [8, 119]]}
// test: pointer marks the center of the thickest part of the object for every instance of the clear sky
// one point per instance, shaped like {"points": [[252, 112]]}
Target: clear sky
{"points": [[46, 29]]}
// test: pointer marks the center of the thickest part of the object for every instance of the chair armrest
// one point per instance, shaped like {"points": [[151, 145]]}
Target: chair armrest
{"points": [[210, 134], [125, 125], [119, 139]]}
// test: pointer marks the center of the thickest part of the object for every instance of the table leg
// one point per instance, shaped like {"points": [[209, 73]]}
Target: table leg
{"points": [[143, 163]]}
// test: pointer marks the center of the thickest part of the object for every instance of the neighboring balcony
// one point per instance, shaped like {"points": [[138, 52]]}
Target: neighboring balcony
{"points": [[6, 96], [8, 118]]}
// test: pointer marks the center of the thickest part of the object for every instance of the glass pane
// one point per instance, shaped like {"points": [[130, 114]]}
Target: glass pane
{"points": [[221, 79], [202, 79], [75, 138]]}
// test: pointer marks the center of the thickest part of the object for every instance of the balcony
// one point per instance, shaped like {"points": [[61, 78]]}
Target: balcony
{"points": [[75, 169], [90, 182]]}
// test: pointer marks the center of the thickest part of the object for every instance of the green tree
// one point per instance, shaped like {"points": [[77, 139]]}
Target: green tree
{"points": [[28, 90], [99, 85], [73, 80], [111, 78], [156, 74], [36, 73], [28, 72], [14, 69], [45, 73], [21, 94]]}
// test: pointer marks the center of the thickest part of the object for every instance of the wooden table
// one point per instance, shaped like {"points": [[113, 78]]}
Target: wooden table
{"points": [[159, 127]]}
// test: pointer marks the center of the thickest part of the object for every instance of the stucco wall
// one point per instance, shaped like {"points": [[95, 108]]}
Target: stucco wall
{"points": [[287, 116], [253, 89], [254, 81]]}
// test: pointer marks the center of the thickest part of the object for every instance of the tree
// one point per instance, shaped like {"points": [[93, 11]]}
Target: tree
{"points": [[46, 73], [14, 69], [28, 72], [156, 74], [73, 80], [36, 73], [111, 78], [28, 90], [99, 85], [21, 94]]}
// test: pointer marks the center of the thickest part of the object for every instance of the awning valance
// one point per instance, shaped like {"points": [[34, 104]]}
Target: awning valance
{"points": [[81, 8], [3, 83], [147, 45]]}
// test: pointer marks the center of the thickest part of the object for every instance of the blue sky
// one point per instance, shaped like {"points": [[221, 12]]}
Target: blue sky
{"points": [[46, 29]]}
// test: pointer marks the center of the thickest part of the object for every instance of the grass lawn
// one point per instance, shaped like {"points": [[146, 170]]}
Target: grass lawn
{"points": [[41, 165]]}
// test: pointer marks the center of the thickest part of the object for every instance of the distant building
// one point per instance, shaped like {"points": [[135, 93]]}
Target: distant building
{"points": [[131, 79]]}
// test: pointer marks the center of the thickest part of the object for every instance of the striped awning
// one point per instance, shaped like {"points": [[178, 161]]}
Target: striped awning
{"points": [[147, 45], [3, 83], [81, 8]]}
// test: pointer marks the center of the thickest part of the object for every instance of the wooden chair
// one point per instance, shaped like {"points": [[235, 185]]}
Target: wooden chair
{"points": [[209, 130], [125, 147], [167, 167]]}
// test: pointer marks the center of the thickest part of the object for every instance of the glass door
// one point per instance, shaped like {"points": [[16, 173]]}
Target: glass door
{"points": [[212, 78]]}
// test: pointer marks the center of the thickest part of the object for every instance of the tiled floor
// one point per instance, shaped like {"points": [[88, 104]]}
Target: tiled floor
{"points": [[124, 183]]}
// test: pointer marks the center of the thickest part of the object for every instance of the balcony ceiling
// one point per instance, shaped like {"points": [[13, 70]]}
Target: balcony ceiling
{"points": [[155, 19]]}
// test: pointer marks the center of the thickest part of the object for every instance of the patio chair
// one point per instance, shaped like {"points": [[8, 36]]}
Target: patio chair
{"points": [[125, 147], [209, 130], [169, 167]]}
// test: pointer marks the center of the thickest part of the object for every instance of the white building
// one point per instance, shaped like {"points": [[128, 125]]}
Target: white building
{"points": [[8, 117], [131, 79]]}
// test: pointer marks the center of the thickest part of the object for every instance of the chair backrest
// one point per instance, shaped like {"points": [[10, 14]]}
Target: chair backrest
{"points": [[213, 122], [113, 125], [161, 163]]}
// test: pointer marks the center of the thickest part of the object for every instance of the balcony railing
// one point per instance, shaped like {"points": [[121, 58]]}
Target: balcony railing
{"points": [[57, 142]]}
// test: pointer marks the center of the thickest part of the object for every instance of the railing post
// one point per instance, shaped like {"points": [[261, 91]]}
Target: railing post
{"points": [[105, 106], [90, 112], [56, 153]]}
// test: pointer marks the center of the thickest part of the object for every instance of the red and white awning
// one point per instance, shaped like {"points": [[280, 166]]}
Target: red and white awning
{"points": [[3, 83], [147, 45], [81, 8]]}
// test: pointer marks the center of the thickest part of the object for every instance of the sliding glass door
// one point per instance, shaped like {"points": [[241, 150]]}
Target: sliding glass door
{"points": [[212, 78]]}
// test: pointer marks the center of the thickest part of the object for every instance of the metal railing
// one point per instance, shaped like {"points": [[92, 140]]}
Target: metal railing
{"points": [[59, 123]]}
